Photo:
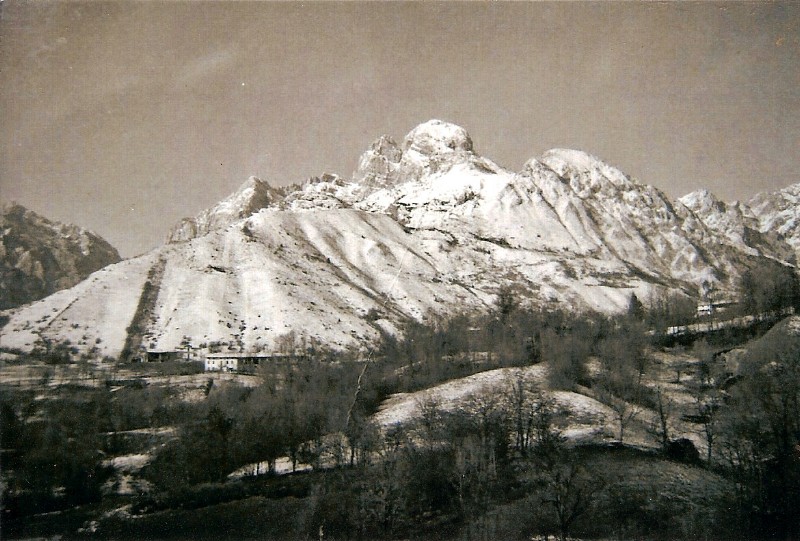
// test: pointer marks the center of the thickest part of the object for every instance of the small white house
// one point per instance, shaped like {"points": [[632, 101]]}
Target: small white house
{"points": [[705, 309], [218, 362], [709, 308], [246, 362]]}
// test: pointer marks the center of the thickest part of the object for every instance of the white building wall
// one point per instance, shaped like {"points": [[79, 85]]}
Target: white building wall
{"points": [[216, 364]]}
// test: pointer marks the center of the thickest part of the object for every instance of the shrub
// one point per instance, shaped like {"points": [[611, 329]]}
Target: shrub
{"points": [[682, 450]]}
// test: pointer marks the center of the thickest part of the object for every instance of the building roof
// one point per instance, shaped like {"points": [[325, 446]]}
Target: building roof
{"points": [[236, 355]]}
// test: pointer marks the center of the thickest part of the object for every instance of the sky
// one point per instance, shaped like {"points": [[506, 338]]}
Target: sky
{"points": [[124, 117]]}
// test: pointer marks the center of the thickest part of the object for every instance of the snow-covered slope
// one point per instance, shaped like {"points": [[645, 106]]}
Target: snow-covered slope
{"points": [[585, 418], [334, 276], [93, 316], [39, 257], [425, 226]]}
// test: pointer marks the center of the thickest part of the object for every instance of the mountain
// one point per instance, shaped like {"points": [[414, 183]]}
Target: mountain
{"points": [[736, 225], [779, 212], [427, 226], [39, 257]]}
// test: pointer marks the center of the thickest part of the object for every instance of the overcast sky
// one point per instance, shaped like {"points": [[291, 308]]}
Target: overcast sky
{"points": [[125, 117]]}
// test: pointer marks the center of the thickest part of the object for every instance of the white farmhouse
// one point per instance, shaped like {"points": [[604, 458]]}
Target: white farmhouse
{"points": [[247, 362]]}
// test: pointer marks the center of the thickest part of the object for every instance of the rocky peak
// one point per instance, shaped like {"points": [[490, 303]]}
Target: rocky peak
{"points": [[327, 191], [702, 201], [733, 224], [253, 195], [377, 165], [585, 173], [437, 137], [778, 212], [432, 147], [764, 204], [386, 146], [39, 256]]}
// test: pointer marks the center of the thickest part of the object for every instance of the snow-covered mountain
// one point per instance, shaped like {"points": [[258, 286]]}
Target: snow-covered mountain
{"points": [[734, 224], [779, 212], [424, 226], [768, 225], [39, 257]]}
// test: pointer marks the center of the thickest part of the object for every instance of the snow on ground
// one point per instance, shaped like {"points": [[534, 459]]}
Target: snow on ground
{"points": [[318, 273], [159, 431], [93, 314], [129, 463], [584, 417], [283, 466], [406, 407], [193, 387], [125, 480], [793, 326], [127, 483], [45, 378], [580, 418]]}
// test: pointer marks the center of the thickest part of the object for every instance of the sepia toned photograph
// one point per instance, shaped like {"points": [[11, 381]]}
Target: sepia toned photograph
{"points": [[363, 270]]}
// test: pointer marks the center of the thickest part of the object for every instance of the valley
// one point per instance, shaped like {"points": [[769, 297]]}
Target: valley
{"points": [[441, 436]]}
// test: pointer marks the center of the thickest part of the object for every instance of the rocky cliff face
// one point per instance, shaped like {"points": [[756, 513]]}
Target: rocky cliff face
{"points": [[779, 213], [766, 226], [39, 257], [427, 226], [377, 165], [734, 224]]}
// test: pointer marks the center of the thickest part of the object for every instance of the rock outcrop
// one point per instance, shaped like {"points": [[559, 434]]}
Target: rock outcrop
{"points": [[39, 257]]}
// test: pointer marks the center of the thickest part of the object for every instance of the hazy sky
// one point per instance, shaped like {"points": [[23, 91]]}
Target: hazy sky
{"points": [[125, 117]]}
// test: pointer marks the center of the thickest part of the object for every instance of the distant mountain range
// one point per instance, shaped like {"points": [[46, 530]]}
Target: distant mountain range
{"points": [[427, 226], [39, 257]]}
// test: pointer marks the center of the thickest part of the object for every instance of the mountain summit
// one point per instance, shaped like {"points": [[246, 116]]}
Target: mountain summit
{"points": [[436, 137], [378, 164], [779, 212], [424, 227]]}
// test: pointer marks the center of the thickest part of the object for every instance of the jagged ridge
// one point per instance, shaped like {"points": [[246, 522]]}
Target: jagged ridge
{"points": [[39, 257]]}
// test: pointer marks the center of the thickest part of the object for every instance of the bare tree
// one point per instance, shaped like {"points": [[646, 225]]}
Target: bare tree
{"points": [[660, 426], [707, 403], [526, 400], [565, 484], [625, 410], [571, 490]]}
